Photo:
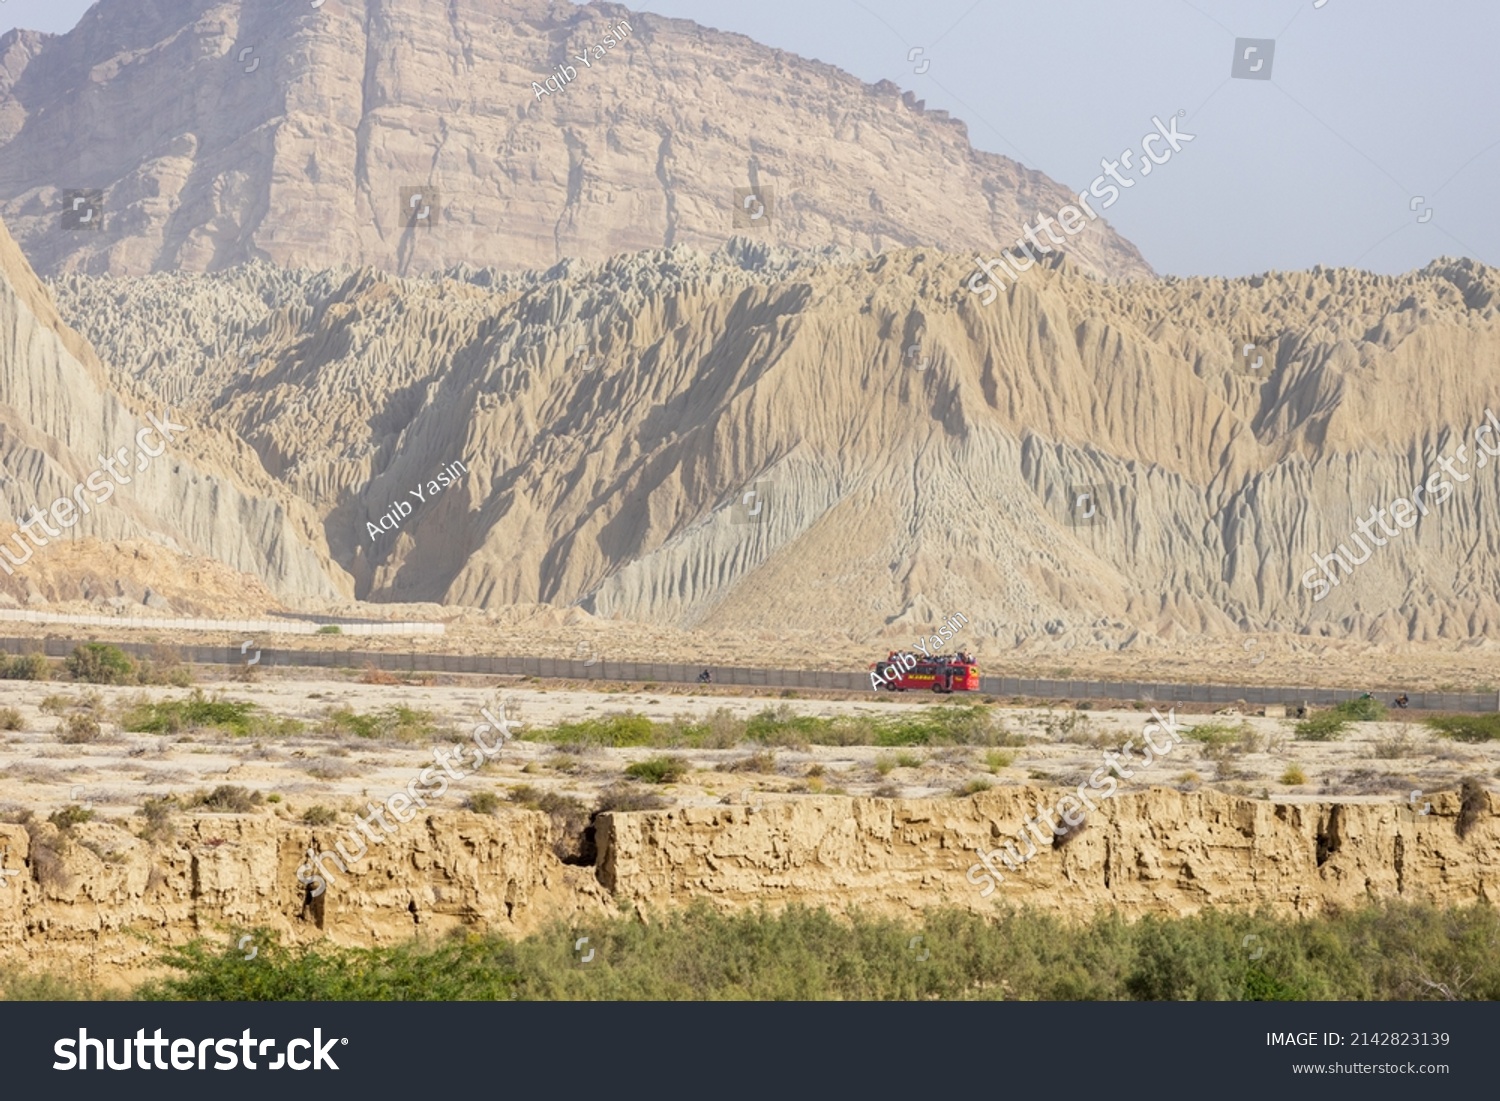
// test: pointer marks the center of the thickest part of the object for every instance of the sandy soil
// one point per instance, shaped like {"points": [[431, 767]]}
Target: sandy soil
{"points": [[114, 775]]}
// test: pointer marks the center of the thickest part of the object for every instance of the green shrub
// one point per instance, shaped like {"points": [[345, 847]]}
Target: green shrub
{"points": [[974, 787], [197, 712], [1293, 776], [399, 723], [483, 802], [967, 724], [25, 667], [70, 816], [1467, 728], [1326, 727], [1361, 710], [330, 629], [227, 799], [972, 724], [100, 663], [1391, 952], [17, 985], [407, 724], [658, 770], [1214, 734], [614, 731], [345, 720], [997, 759]]}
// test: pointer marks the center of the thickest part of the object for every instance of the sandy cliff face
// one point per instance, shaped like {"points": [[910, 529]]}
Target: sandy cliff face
{"points": [[106, 901], [303, 159], [1160, 851], [61, 414]]}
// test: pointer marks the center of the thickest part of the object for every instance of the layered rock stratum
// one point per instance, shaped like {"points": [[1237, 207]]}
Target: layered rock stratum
{"points": [[102, 903], [220, 132]]}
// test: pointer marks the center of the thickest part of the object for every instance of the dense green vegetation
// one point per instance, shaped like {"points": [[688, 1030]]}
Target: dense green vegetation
{"points": [[1392, 952], [1467, 728], [1331, 725], [197, 711], [973, 724], [658, 770], [1217, 735], [1364, 710], [100, 663], [1327, 727]]}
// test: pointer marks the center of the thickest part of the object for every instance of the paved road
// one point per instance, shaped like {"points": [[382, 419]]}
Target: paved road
{"points": [[1253, 696]]}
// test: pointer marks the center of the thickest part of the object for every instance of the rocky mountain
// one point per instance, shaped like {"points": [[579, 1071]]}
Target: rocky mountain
{"points": [[71, 432], [215, 132], [909, 452]]}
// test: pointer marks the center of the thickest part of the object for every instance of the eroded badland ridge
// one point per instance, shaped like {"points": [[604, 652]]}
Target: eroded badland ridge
{"points": [[612, 417], [202, 494]]}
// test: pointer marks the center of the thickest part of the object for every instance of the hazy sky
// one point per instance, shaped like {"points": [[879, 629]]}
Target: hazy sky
{"points": [[1372, 106]]}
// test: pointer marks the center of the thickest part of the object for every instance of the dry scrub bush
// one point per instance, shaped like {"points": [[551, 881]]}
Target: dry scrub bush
{"points": [[158, 814], [79, 728], [47, 848], [1475, 801]]}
